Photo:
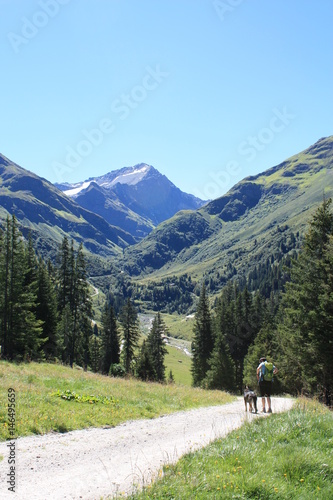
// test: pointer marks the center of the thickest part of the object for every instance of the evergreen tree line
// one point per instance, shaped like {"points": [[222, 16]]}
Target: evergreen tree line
{"points": [[295, 333], [46, 314], [222, 337]]}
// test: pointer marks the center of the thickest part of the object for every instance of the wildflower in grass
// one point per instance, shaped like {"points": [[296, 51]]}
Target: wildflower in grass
{"points": [[276, 490], [301, 480], [264, 481]]}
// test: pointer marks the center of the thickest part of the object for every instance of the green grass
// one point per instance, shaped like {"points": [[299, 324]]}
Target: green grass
{"points": [[179, 326], [285, 456], [39, 411], [180, 365]]}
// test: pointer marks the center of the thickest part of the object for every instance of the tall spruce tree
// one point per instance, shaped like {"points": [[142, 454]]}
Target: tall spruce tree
{"points": [[306, 326], [82, 308], [64, 275], [46, 311], [74, 305], [203, 340], [95, 352], [156, 347], [221, 373], [144, 367], [110, 343], [21, 332], [130, 337]]}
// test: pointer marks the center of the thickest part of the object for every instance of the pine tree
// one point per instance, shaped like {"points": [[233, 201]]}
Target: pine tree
{"points": [[110, 345], [65, 333], [203, 340], [5, 290], [82, 309], [46, 311], [221, 373], [156, 347], [144, 367], [129, 323], [21, 332], [74, 305], [95, 350], [64, 275]]}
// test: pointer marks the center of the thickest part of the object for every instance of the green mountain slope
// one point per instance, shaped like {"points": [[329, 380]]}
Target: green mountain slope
{"points": [[49, 215], [242, 228]]}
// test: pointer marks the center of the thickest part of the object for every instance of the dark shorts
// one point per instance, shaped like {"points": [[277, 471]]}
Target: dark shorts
{"points": [[265, 388]]}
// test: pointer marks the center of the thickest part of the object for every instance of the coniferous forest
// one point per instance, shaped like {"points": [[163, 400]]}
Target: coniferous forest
{"points": [[46, 314]]}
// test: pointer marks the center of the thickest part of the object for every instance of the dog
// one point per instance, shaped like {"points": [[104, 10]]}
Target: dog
{"points": [[250, 398]]}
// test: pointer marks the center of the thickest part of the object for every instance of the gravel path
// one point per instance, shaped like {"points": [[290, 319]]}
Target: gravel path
{"points": [[92, 463]]}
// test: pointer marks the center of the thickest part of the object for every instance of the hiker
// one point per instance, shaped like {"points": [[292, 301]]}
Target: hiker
{"points": [[265, 372]]}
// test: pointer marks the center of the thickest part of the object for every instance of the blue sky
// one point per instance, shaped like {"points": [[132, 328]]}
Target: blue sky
{"points": [[206, 91]]}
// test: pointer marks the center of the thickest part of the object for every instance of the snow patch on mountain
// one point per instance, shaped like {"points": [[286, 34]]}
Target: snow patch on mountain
{"points": [[131, 178], [78, 189], [127, 175]]}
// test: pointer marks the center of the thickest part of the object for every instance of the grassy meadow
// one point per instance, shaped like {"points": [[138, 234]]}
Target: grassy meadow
{"points": [[180, 365], [284, 456], [100, 400]]}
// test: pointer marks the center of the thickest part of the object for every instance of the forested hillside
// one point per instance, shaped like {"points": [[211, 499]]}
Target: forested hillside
{"points": [[293, 327]]}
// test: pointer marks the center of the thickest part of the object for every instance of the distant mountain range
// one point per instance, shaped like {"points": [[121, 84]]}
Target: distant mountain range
{"points": [[135, 198], [137, 222]]}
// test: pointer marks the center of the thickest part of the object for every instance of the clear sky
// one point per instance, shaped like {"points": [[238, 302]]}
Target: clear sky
{"points": [[206, 91]]}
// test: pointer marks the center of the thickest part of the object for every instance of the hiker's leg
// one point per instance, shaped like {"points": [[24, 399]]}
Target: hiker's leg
{"points": [[263, 403], [269, 404]]}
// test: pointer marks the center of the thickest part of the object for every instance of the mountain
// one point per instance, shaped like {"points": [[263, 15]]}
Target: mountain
{"points": [[260, 217], [49, 215], [135, 198]]}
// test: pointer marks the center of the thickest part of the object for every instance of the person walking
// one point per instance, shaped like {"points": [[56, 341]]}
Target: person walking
{"points": [[265, 373]]}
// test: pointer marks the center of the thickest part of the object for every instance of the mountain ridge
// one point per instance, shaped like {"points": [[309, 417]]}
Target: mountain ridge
{"points": [[143, 196], [240, 223], [49, 215]]}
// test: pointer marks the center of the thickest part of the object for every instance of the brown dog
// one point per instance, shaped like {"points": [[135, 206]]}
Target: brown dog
{"points": [[250, 398]]}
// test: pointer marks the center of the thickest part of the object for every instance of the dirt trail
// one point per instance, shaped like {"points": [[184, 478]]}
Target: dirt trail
{"points": [[92, 463]]}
